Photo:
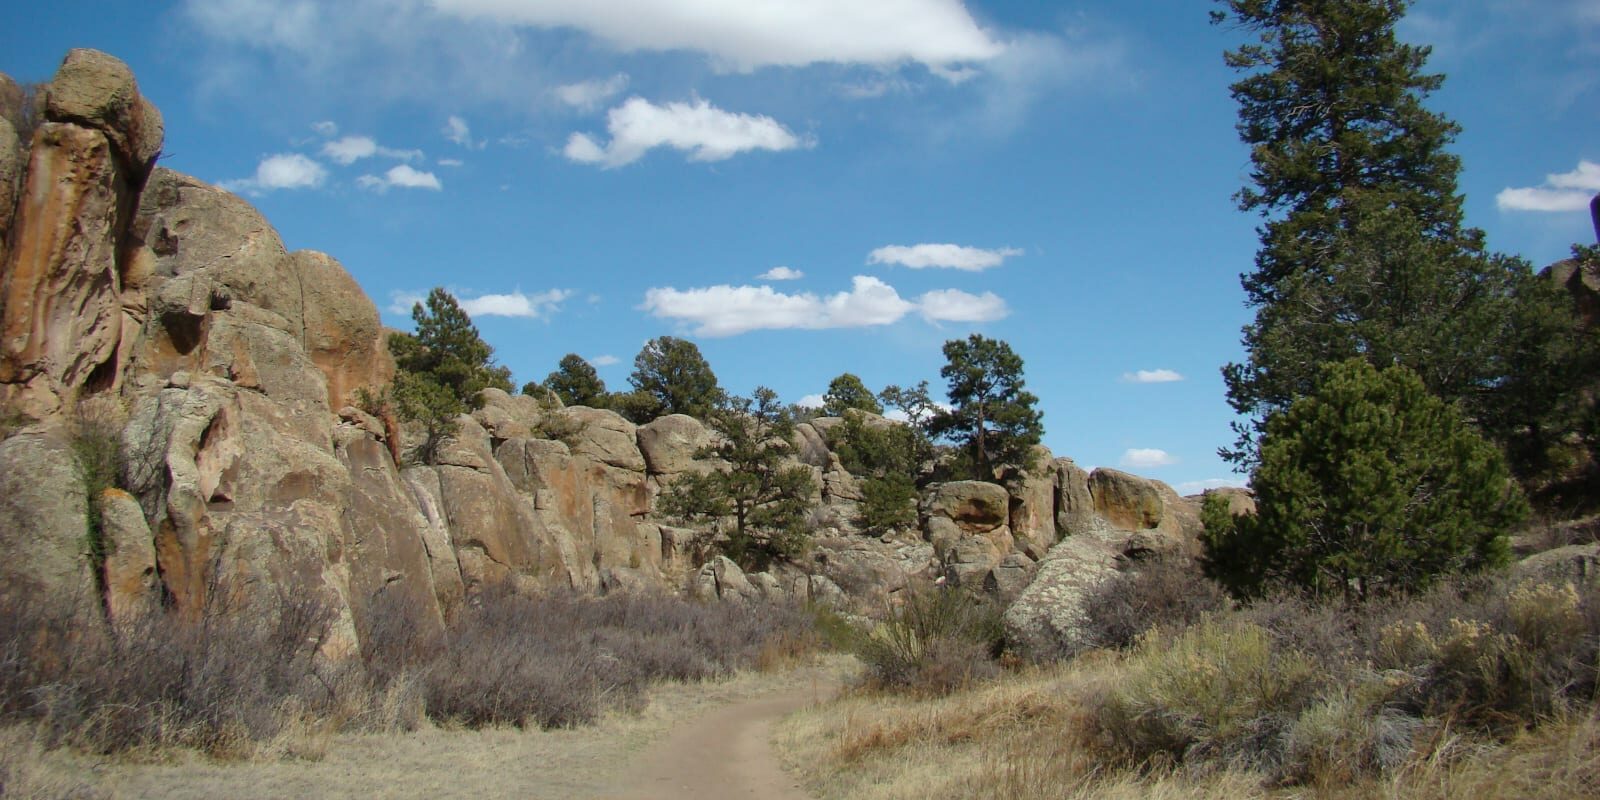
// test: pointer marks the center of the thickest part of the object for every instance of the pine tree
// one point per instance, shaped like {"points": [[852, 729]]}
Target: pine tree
{"points": [[847, 392], [576, 383], [993, 418], [766, 495], [1367, 485], [441, 369], [671, 377], [1363, 251]]}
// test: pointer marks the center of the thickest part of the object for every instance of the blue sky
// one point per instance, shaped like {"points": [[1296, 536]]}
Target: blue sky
{"points": [[589, 174]]}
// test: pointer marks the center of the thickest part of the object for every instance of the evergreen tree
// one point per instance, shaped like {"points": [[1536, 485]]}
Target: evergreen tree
{"points": [[993, 419], [671, 377], [448, 350], [885, 456], [1363, 252], [576, 383], [441, 369], [1368, 485], [765, 495], [847, 392]]}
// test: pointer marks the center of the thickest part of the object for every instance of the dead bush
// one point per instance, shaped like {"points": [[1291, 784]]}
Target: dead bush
{"points": [[936, 640], [1169, 592]]}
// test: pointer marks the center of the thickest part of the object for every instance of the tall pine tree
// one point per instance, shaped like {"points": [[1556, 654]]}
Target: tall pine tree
{"points": [[1363, 250]]}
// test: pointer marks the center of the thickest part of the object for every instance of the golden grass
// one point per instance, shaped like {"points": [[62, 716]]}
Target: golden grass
{"points": [[1022, 738]]}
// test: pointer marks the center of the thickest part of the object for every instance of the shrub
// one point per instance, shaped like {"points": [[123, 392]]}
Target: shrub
{"points": [[1367, 486], [1169, 592], [936, 640], [224, 684], [1221, 692], [561, 659]]}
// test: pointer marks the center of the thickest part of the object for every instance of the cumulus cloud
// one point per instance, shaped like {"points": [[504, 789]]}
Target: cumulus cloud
{"points": [[731, 310], [326, 128], [604, 361], [350, 149], [942, 256], [781, 274], [1567, 191], [516, 304], [705, 132], [747, 34], [810, 401], [402, 176], [1152, 376], [954, 305], [450, 162], [1146, 458], [591, 94], [281, 171], [458, 131], [1198, 487]]}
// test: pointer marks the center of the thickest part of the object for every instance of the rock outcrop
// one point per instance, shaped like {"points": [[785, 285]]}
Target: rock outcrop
{"points": [[252, 477]]}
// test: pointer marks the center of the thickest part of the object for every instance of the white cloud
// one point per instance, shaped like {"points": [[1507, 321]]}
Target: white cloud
{"points": [[516, 304], [954, 305], [604, 361], [942, 256], [450, 162], [281, 171], [403, 176], [351, 149], [458, 131], [810, 401], [1152, 376], [1567, 191], [326, 128], [732, 310], [1198, 487], [401, 302], [705, 132], [747, 34], [781, 274], [1146, 458], [591, 94]]}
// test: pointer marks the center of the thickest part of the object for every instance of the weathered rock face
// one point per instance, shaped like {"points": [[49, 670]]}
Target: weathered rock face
{"points": [[669, 444], [254, 478], [44, 552]]}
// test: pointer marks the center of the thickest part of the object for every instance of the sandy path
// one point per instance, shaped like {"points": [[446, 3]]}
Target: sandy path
{"points": [[724, 755], [705, 741]]}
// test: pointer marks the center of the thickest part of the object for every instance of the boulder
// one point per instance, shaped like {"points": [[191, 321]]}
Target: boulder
{"points": [[1048, 617], [11, 171], [1010, 577], [605, 436], [12, 98], [810, 447], [98, 91], [1033, 505], [339, 328], [1577, 563], [43, 527], [722, 579], [1126, 502], [422, 483], [1075, 511], [974, 506], [669, 444], [1241, 502], [384, 538], [133, 590]]}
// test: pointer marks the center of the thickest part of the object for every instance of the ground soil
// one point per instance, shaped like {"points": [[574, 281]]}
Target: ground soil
{"points": [[707, 741]]}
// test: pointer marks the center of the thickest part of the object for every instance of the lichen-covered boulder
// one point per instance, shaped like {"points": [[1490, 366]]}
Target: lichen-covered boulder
{"points": [[669, 443]]}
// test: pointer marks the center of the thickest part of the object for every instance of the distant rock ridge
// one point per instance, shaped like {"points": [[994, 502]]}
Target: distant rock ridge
{"points": [[137, 300]]}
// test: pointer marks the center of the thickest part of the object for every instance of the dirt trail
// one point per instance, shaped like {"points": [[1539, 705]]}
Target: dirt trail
{"points": [[703, 741], [724, 755]]}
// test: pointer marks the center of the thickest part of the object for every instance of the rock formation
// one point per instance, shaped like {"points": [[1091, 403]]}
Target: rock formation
{"points": [[250, 476]]}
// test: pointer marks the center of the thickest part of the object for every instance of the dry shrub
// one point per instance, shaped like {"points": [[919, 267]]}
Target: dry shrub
{"points": [[936, 640], [1169, 592], [1220, 693], [223, 684], [561, 659]]}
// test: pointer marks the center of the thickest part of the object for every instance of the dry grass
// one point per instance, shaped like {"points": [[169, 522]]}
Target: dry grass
{"points": [[1484, 689]]}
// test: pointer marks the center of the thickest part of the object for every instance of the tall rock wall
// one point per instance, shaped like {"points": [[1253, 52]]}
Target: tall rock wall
{"points": [[229, 370]]}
